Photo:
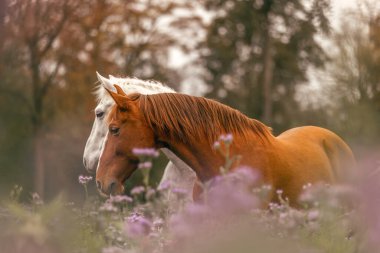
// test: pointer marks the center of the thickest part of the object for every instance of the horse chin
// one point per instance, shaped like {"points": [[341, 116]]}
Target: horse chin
{"points": [[119, 190], [103, 194]]}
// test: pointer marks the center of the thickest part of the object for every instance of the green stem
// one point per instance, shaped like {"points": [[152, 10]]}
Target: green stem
{"points": [[86, 192]]}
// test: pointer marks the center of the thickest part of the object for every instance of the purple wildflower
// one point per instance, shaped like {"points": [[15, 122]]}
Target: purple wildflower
{"points": [[150, 193], [235, 192], [216, 145], [150, 152], [246, 175], [137, 190], [108, 207], [164, 185], [313, 215], [180, 226], [36, 199], [158, 223], [84, 179], [137, 226], [145, 165], [120, 199], [196, 212], [307, 186], [226, 138]]}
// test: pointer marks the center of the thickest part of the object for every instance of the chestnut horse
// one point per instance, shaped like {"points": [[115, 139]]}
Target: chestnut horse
{"points": [[176, 172], [189, 126]]}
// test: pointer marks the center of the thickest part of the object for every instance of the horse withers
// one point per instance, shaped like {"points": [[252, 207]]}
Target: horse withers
{"points": [[189, 126]]}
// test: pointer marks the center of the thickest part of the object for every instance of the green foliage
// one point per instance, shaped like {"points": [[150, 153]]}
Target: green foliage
{"points": [[234, 53], [353, 79]]}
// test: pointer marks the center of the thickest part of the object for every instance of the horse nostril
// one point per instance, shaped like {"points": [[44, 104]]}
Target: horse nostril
{"points": [[98, 184], [85, 163], [112, 186]]}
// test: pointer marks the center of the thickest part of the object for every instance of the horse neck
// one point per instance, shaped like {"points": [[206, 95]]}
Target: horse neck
{"points": [[181, 165], [198, 157], [205, 161]]}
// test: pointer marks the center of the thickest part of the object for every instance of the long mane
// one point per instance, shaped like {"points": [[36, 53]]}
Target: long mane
{"points": [[192, 118]]}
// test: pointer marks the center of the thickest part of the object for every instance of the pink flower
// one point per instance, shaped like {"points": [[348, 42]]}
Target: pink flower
{"points": [[150, 193], [246, 175], [313, 215], [164, 185], [216, 145], [137, 190], [145, 165], [118, 199], [108, 207], [150, 152], [226, 138], [84, 179], [137, 226]]}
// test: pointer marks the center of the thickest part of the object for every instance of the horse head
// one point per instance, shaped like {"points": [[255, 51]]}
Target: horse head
{"points": [[127, 129]]}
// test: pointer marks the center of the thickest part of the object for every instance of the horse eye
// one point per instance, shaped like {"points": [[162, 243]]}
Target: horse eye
{"points": [[99, 114], [114, 130]]}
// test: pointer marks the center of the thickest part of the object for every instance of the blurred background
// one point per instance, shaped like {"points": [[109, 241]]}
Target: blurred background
{"points": [[287, 63]]}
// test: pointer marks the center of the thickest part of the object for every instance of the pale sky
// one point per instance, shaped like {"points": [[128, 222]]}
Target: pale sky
{"points": [[339, 5]]}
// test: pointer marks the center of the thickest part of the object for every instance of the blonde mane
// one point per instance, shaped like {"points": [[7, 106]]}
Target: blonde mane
{"points": [[190, 118]]}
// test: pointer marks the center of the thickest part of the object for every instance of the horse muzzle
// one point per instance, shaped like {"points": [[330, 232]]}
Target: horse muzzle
{"points": [[109, 186]]}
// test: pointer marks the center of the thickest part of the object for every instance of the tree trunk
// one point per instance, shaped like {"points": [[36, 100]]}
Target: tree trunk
{"points": [[267, 78], [37, 98], [267, 63], [39, 166]]}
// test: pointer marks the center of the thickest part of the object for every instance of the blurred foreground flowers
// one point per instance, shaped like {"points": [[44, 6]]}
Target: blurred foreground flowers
{"points": [[233, 216]]}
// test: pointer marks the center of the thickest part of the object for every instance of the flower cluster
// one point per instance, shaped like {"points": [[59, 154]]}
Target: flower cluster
{"points": [[120, 199], [84, 179], [226, 138], [145, 165], [165, 185], [36, 199], [137, 225], [137, 190], [149, 152], [108, 207], [145, 155], [223, 145]]}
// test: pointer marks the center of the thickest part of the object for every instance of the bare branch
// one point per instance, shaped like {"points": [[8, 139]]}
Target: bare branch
{"points": [[49, 80], [57, 31]]}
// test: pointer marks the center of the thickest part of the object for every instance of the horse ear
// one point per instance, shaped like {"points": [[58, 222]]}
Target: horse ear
{"points": [[120, 100], [120, 90], [106, 83]]}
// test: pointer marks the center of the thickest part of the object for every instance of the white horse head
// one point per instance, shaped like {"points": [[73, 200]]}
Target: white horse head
{"points": [[99, 130]]}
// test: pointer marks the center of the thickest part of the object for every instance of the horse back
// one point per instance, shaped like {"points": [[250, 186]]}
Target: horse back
{"points": [[311, 138]]}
